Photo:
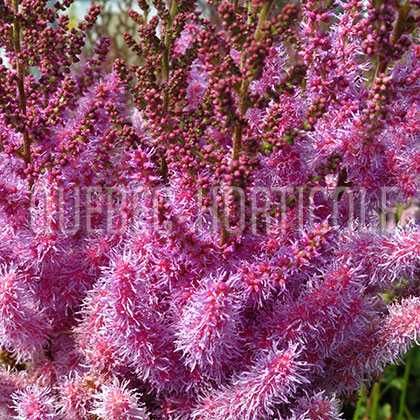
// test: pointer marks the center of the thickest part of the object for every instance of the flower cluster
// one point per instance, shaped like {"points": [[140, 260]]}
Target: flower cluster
{"points": [[203, 234]]}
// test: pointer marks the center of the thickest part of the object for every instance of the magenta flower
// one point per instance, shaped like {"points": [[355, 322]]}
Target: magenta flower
{"points": [[34, 403], [116, 402]]}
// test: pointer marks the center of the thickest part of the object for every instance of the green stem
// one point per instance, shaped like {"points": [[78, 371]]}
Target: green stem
{"points": [[265, 10], [235, 5], [165, 57], [249, 10], [21, 82], [368, 404], [399, 30], [408, 414], [359, 405], [405, 384], [376, 395], [243, 92], [383, 220], [243, 100], [237, 131]]}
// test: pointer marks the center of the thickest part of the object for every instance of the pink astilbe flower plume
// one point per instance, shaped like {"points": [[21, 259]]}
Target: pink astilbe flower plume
{"points": [[116, 402], [399, 330], [76, 398], [208, 333], [34, 403], [10, 383], [317, 407], [24, 330], [134, 327], [254, 394], [385, 256]]}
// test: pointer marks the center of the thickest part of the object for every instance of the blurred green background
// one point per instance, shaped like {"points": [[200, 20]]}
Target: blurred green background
{"points": [[395, 396]]}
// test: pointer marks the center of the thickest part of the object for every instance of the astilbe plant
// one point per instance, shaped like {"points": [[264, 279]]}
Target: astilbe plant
{"points": [[157, 256]]}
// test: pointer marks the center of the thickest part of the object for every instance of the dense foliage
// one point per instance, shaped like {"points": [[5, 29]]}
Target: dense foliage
{"points": [[203, 234]]}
